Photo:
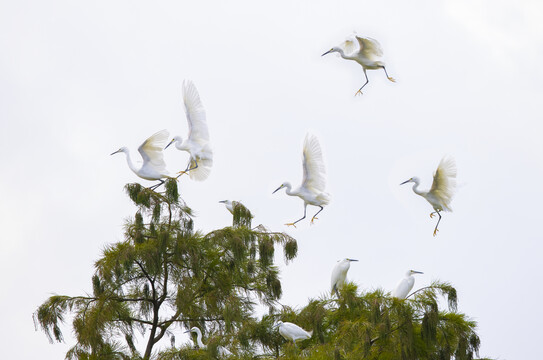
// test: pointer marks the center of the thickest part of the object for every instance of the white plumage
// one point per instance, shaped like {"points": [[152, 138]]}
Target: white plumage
{"points": [[220, 349], [339, 275], [153, 167], [442, 190], [405, 285], [229, 204], [293, 332], [197, 141], [365, 51], [311, 191]]}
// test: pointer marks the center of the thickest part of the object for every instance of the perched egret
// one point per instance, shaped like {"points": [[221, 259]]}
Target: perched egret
{"points": [[339, 274], [197, 141], [230, 205], [154, 167], [367, 52], [293, 332], [220, 349], [443, 187], [312, 189], [405, 285]]}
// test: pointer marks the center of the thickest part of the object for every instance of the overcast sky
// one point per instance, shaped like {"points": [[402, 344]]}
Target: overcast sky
{"points": [[80, 79]]}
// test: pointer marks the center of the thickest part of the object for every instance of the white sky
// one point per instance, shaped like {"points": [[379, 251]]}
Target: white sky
{"points": [[80, 79]]}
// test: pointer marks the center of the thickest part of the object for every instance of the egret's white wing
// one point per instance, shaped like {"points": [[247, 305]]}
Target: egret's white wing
{"points": [[349, 47], [313, 164], [336, 278], [195, 112], [369, 47], [151, 150], [444, 183], [403, 288]]}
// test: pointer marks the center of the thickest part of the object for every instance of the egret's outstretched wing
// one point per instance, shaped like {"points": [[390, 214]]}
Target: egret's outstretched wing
{"points": [[369, 47], [349, 47], [151, 150], [444, 183], [314, 173], [196, 115]]}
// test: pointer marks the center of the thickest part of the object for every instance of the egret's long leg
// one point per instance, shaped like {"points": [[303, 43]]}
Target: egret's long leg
{"points": [[388, 77], [366, 83], [294, 223], [187, 169], [157, 185], [315, 216], [438, 220]]}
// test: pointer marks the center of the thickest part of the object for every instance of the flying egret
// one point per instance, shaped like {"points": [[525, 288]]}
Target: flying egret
{"points": [[292, 331], [197, 141], [367, 52], [339, 274], [154, 167], [230, 205], [443, 187], [312, 189], [220, 349], [405, 285]]}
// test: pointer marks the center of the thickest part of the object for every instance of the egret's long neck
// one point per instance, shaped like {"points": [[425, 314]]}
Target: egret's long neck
{"points": [[129, 162], [199, 339], [289, 191], [416, 189], [181, 145], [342, 53]]}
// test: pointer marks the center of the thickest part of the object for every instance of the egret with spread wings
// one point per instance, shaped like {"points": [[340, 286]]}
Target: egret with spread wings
{"points": [[443, 188], [365, 51], [153, 167], [312, 189], [197, 141]]}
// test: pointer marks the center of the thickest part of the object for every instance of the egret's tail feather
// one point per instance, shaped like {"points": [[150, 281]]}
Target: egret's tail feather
{"points": [[310, 333]]}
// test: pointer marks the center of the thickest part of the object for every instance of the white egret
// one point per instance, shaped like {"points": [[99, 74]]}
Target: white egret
{"points": [[312, 189], [220, 349], [154, 167], [405, 285], [339, 275], [292, 331], [197, 141], [443, 187], [230, 205], [367, 52]]}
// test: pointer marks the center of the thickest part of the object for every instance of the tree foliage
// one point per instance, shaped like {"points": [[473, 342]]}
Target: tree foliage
{"points": [[165, 273]]}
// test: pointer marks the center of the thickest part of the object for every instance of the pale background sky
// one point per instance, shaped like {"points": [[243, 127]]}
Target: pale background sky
{"points": [[80, 79]]}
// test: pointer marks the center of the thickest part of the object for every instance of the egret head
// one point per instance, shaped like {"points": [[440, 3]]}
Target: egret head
{"points": [[224, 201], [413, 272], [280, 187], [350, 260], [414, 179], [277, 324], [123, 149], [334, 49], [176, 138]]}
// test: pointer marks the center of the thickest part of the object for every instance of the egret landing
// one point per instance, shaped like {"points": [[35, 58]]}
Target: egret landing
{"points": [[443, 188], [366, 51]]}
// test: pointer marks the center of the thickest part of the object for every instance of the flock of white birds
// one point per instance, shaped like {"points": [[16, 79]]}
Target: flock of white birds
{"points": [[366, 52]]}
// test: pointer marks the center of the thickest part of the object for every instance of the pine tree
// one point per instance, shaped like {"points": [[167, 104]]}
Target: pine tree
{"points": [[166, 273]]}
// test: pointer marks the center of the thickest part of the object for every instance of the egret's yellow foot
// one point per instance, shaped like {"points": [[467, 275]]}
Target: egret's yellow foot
{"points": [[391, 79], [435, 232], [358, 92], [290, 224], [312, 219], [431, 215]]}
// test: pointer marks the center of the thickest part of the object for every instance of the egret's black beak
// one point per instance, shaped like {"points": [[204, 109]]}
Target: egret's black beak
{"points": [[417, 272], [405, 182], [279, 188], [171, 142], [353, 260], [328, 52], [113, 153]]}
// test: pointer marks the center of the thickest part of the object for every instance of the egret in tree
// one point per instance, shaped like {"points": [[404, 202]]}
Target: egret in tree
{"points": [[443, 188], [312, 189], [230, 205], [365, 51], [405, 285], [293, 332], [220, 349], [154, 167], [339, 275], [197, 141]]}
